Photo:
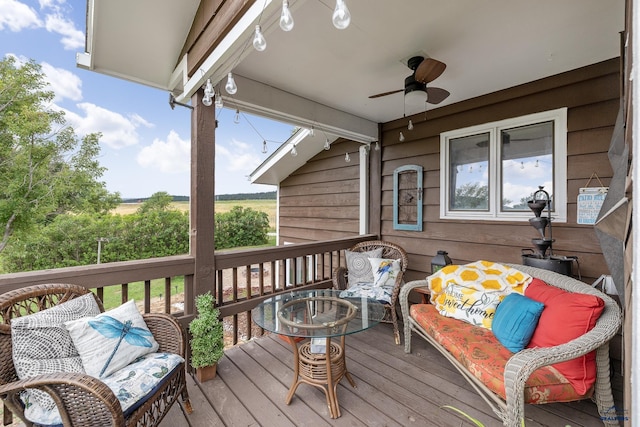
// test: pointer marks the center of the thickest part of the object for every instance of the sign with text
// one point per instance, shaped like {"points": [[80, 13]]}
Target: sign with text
{"points": [[590, 201]]}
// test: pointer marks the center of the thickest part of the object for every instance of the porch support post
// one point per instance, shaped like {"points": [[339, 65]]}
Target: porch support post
{"points": [[375, 186], [201, 213]]}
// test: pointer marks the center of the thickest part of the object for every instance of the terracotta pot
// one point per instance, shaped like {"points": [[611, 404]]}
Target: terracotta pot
{"points": [[206, 373]]}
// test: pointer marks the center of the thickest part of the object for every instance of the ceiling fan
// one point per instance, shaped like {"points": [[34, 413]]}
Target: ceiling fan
{"points": [[424, 71]]}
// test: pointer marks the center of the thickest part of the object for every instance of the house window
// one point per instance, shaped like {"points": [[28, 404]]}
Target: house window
{"points": [[490, 171]]}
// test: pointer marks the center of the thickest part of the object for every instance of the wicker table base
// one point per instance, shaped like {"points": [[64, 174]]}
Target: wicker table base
{"points": [[322, 370]]}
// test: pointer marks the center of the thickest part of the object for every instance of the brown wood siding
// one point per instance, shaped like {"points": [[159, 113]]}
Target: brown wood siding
{"points": [[320, 200], [592, 97]]}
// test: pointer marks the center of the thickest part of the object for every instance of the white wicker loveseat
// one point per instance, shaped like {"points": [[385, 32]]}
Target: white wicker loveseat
{"points": [[522, 364]]}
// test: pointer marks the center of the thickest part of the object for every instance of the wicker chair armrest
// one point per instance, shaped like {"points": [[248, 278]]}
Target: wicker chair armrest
{"points": [[405, 290], [168, 332], [82, 400], [340, 278]]}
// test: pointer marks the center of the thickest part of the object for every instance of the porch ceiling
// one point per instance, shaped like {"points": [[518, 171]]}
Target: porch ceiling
{"points": [[319, 75], [487, 46]]}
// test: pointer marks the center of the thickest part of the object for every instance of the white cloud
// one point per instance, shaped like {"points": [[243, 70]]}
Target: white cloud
{"points": [[117, 130], [17, 16], [72, 38], [64, 83], [170, 156], [238, 157]]}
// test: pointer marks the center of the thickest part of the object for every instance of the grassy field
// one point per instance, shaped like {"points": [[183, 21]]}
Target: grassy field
{"points": [[267, 206]]}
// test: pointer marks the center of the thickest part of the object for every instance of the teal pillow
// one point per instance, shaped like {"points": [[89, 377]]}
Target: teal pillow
{"points": [[515, 321]]}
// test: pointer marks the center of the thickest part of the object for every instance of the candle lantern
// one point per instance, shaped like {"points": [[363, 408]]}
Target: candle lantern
{"points": [[440, 260]]}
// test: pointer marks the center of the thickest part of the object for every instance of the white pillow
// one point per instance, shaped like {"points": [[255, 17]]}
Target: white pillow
{"points": [[385, 271], [42, 345], [111, 340]]}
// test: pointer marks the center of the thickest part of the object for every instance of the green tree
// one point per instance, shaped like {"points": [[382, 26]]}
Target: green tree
{"points": [[159, 201], [45, 169], [471, 196], [241, 227]]}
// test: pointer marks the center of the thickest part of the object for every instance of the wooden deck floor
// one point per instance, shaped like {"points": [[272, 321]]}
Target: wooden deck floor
{"points": [[393, 389]]}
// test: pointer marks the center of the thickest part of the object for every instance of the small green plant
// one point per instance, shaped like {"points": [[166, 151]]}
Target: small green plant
{"points": [[207, 335], [474, 421]]}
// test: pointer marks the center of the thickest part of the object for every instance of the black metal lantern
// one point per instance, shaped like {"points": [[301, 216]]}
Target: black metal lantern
{"points": [[440, 260]]}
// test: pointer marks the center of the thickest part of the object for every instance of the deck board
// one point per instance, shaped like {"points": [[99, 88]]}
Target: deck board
{"points": [[392, 389]]}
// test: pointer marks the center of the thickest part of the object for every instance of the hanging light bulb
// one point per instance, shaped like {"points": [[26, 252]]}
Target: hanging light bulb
{"points": [[259, 42], [347, 158], [231, 87], [208, 89], [401, 138], [410, 125], [521, 165], [327, 146], [377, 146], [312, 131], [536, 165], [207, 101], [341, 15], [236, 119], [264, 147], [286, 19], [219, 102], [294, 151]]}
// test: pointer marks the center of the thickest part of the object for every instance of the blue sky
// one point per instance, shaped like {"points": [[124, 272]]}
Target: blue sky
{"points": [[145, 145]]}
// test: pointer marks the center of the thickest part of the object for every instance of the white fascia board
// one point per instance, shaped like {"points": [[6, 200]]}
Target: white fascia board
{"points": [[84, 59], [265, 173], [267, 101]]}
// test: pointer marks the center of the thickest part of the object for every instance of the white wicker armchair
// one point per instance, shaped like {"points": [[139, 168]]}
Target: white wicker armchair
{"points": [[522, 364]]}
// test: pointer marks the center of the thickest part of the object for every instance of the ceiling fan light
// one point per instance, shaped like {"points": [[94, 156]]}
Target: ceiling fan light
{"points": [[341, 15], [415, 100]]}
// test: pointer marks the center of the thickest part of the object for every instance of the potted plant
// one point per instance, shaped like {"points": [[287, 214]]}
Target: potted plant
{"points": [[207, 338]]}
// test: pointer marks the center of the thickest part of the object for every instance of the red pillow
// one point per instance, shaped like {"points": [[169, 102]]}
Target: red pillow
{"points": [[566, 316]]}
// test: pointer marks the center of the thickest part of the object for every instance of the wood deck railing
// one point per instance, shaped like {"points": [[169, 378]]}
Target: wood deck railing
{"points": [[243, 278]]}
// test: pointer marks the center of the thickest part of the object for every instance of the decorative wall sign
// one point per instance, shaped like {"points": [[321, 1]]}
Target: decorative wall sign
{"points": [[589, 203], [590, 200], [407, 198]]}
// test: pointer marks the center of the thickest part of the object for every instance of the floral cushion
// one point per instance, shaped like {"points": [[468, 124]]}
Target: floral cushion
{"points": [[385, 271], [131, 385], [481, 353], [369, 290]]}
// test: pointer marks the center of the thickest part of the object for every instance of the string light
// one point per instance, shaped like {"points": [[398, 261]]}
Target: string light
{"points": [[236, 119], [377, 146], [294, 150], [231, 87], [401, 138], [264, 147], [347, 158], [286, 19], [410, 125], [341, 15], [219, 102], [259, 42], [312, 131], [327, 146]]}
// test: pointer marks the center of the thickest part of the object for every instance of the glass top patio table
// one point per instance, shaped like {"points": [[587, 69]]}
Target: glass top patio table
{"points": [[317, 313]]}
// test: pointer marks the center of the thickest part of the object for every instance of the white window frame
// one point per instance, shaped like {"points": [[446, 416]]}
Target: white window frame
{"points": [[494, 213]]}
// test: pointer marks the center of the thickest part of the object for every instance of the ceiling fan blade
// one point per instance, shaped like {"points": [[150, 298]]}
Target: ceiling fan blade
{"points": [[436, 95], [429, 70], [386, 93]]}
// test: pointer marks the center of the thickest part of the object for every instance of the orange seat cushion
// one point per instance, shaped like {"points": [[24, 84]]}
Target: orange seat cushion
{"points": [[481, 353]]}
